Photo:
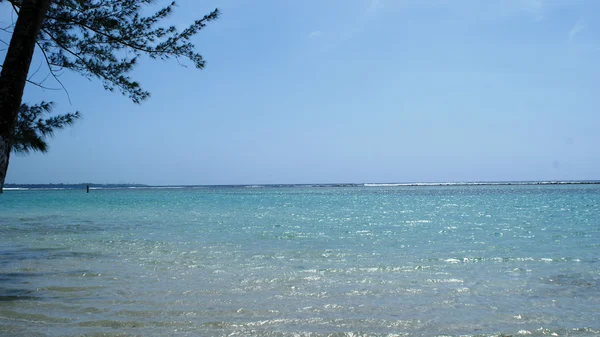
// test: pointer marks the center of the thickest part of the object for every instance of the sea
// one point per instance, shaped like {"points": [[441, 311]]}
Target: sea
{"points": [[482, 259]]}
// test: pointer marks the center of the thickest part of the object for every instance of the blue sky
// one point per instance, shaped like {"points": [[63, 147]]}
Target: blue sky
{"points": [[347, 91]]}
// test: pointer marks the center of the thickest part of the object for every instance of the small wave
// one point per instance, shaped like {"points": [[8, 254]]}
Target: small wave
{"points": [[449, 280], [27, 188], [155, 187], [417, 221], [422, 184], [484, 183], [453, 260]]}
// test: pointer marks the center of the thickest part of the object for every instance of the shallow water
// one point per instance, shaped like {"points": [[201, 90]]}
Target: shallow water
{"points": [[309, 261]]}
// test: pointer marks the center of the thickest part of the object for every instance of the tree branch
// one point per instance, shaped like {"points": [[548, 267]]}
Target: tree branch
{"points": [[136, 46], [114, 38], [69, 51]]}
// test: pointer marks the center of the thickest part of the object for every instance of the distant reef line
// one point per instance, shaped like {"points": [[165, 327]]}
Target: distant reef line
{"points": [[72, 186], [62, 186]]}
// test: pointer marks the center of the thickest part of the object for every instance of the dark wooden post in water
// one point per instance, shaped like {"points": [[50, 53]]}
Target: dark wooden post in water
{"points": [[87, 188]]}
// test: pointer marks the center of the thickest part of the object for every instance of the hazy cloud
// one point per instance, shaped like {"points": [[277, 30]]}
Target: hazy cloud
{"points": [[374, 6], [535, 7], [315, 34], [576, 29]]}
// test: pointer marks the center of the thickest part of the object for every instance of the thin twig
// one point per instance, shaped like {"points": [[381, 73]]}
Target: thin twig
{"points": [[40, 84], [9, 26], [43, 87], [6, 29], [45, 78], [52, 72], [36, 71]]}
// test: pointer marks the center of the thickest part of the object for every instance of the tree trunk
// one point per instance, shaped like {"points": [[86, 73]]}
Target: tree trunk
{"points": [[14, 73], [4, 156]]}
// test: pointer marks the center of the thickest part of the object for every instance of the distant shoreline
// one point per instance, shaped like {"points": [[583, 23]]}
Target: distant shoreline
{"points": [[21, 187]]}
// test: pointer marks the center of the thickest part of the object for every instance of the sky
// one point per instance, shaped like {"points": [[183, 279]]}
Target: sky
{"points": [[346, 91]]}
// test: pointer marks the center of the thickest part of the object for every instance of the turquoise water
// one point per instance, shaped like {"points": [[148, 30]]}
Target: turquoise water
{"points": [[302, 261]]}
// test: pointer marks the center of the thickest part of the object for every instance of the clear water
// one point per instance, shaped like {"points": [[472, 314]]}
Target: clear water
{"points": [[302, 261]]}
